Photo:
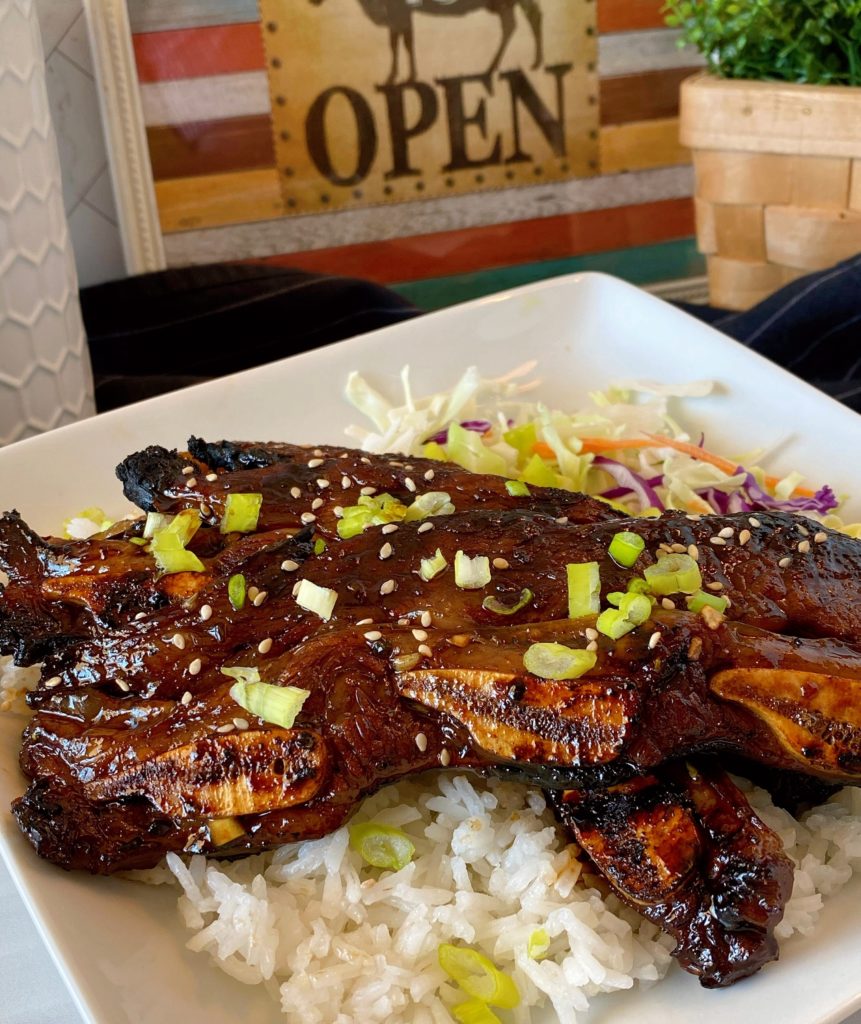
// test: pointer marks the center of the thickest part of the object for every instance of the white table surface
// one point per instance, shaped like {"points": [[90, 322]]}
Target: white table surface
{"points": [[32, 991]]}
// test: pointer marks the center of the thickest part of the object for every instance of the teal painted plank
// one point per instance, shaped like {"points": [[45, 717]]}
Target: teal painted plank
{"points": [[646, 264], [158, 15]]}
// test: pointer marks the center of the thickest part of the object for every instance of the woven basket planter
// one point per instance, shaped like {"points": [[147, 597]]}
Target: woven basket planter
{"points": [[778, 181]]}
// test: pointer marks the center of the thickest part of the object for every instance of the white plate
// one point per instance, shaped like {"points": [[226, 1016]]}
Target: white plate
{"points": [[120, 946]]}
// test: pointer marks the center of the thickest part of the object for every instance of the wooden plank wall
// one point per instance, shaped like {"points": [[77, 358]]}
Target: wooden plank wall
{"points": [[206, 105]]}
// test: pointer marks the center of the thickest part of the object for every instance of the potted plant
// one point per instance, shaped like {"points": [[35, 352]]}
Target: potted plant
{"points": [[775, 128]]}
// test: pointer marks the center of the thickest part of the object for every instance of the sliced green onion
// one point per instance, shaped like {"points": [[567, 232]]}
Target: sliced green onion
{"points": [[478, 976], [636, 608], [474, 1011], [700, 599], [236, 591], [319, 546], [584, 589], [433, 503], [244, 673], [615, 597], [168, 544], [625, 548], [471, 573], [320, 600], [638, 586], [382, 846], [155, 521], [614, 623], [556, 661], [224, 830], [139, 541], [517, 488], [276, 704], [674, 574], [241, 513], [493, 604], [537, 472], [370, 511], [538, 944], [432, 566]]}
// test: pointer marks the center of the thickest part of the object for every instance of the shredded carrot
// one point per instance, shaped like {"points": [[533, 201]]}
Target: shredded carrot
{"points": [[596, 445]]}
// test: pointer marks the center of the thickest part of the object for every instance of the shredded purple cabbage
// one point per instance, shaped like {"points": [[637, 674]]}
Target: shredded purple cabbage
{"points": [[630, 482], [478, 426], [750, 497]]}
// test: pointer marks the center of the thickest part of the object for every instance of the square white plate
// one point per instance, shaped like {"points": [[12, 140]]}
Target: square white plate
{"points": [[119, 945]]}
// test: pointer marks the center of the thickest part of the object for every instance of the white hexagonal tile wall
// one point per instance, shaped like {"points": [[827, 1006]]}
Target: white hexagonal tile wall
{"points": [[45, 375]]}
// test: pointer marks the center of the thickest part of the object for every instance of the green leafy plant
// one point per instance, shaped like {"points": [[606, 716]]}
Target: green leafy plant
{"points": [[815, 41]]}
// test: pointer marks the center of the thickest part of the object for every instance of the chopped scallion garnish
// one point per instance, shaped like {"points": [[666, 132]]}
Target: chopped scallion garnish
{"points": [[244, 673], [276, 704], [625, 548], [471, 573], [538, 944], [474, 1011], [433, 503], [674, 574], [517, 488], [168, 544], [236, 591], [432, 566], [584, 589], [370, 511], [241, 513], [556, 661], [382, 846], [320, 600], [634, 609], [319, 546], [493, 604], [478, 976], [696, 602]]}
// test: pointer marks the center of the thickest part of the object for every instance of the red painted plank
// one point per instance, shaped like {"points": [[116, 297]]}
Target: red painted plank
{"points": [[529, 241], [645, 96], [210, 147], [198, 52], [629, 15]]}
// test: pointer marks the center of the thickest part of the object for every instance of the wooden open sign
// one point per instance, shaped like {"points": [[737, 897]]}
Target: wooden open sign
{"points": [[379, 101]]}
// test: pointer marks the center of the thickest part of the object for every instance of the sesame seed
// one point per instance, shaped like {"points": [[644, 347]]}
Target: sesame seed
{"points": [[346, 483], [387, 587], [426, 619], [459, 639], [295, 492], [365, 459], [316, 503], [338, 511], [265, 646], [744, 537], [205, 612], [386, 551], [803, 530], [754, 522], [591, 634], [820, 538], [694, 552], [667, 603], [425, 527], [204, 509], [562, 520], [784, 562], [421, 742], [727, 532], [364, 622], [425, 650], [322, 483], [123, 685], [318, 452], [717, 541], [212, 477], [195, 667], [240, 723], [716, 585], [226, 728], [390, 528], [368, 491], [178, 641], [678, 549], [694, 517], [592, 645], [665, 548], [296, 586], [500, 563], [261, 597], [444, 758], [186, 698], [187, 470], [408, 483], [372, 635], [308, 517], [49, 684], [429, 475], [804, 546], [420, 634], [139, 616], [314, 463], [654, 640], [288, 565], [252, 592], [403, 622], [191, 482]]}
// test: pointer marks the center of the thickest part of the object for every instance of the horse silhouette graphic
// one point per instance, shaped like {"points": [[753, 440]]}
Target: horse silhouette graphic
{"points": [[397, 16]]}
